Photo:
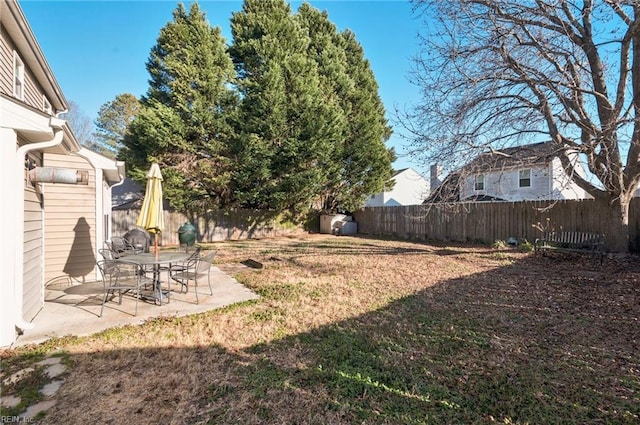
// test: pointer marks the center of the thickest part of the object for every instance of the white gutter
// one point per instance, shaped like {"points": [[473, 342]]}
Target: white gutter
{"points": [[121, 182], [18, 185]]}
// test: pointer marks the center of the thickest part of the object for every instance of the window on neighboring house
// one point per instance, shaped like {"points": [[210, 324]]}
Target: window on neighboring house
{"points": [[46, 106], [524, 178], [479, 182], [18, 76]]}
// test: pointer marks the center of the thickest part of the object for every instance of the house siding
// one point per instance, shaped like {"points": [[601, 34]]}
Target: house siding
{"points": [[376, 200], [6, 63], [562, 187], [25, 124], [410, 188], [33, 290], [548, 182], [505, 184], [28, 131], [33, 92], [70, 215]]}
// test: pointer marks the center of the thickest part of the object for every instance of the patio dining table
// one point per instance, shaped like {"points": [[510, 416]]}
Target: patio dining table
{"points": [[156, 260]]}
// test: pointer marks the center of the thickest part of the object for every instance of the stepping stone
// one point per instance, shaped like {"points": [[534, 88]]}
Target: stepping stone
{"points": [[51, 388], [17, 376], [49, 361], [9, 401], [55, 370], [33, 410]]}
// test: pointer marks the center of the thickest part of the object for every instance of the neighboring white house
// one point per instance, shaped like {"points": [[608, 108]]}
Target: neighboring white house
{"points": [[410, 188], [522, 173], [55, 194]]}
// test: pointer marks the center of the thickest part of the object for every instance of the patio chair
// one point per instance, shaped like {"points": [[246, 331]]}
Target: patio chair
{"points": [[121, 246], [183, 265], [106, 253], [139, 239], [191, 249], [109, 254], [121, 276], [194, 270]]}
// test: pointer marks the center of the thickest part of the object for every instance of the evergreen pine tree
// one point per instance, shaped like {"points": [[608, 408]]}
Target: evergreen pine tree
{"points": [[113, 123], [334, 83], [286, 128], [367, 160], [360, 162], [183, 123]]}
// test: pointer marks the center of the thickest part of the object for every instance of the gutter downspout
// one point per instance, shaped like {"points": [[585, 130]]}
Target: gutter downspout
{"points": [[58, 136], [99, 211], [121, 182], [99, 207]]}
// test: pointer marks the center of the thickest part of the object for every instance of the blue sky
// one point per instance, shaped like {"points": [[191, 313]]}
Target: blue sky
{"points": [[98, 49]]}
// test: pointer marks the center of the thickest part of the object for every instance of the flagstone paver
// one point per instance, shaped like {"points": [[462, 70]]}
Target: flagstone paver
{"points": [[53, 367]]}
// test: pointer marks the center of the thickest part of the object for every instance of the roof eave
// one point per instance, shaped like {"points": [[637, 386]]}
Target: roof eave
{"points": [[113, 170]]}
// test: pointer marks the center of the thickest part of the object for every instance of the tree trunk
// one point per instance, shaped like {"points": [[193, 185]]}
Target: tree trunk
{"points": [[616, 222]]}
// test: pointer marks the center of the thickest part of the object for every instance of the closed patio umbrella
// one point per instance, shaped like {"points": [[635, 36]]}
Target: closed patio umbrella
{"points": [[151, 214]]}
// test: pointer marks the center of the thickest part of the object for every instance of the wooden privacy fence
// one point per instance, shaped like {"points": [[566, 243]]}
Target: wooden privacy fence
{"points": [[214, 226], [491, 221]]}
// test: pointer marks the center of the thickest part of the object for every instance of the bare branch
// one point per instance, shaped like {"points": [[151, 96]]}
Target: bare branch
{"points": [[501, 72]]}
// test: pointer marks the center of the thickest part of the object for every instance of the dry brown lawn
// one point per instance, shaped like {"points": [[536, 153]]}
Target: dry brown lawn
{"points": [[361, 330]]}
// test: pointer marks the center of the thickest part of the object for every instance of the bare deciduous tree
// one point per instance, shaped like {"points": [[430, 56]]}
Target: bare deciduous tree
{"points": [[495, 73], [80, 124]]}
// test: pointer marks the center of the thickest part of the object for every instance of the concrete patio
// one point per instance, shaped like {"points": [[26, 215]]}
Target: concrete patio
{"points": [[74, 310]]}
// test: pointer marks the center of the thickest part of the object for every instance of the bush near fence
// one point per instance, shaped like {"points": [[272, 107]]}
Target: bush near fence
{"points": [[212, 227], [487, 222]]}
